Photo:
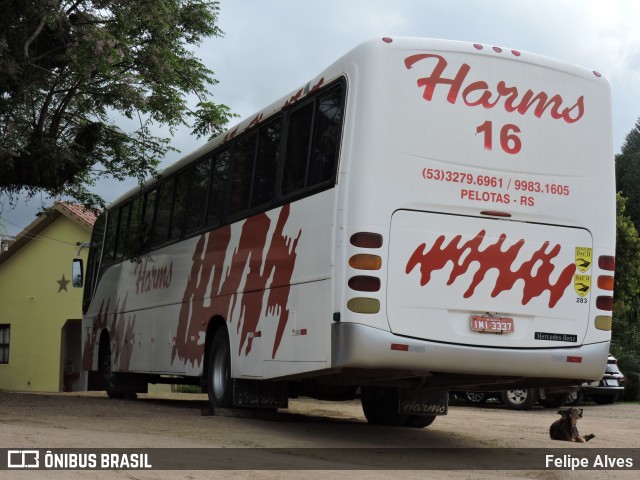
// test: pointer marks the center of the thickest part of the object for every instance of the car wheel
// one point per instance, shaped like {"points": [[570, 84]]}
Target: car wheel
{"points": [[476, 398], [519, 399]]}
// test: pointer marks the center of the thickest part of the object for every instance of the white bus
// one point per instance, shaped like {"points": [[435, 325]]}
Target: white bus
{"points": [[424, 215]]}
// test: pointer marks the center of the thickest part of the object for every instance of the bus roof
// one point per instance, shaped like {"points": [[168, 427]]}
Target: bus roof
{"points": [[341, 67]]}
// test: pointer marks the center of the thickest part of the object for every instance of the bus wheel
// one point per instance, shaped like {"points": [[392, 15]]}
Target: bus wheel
{"points": [[419, 421], [109, 377], [219, 371], [380, 406]]}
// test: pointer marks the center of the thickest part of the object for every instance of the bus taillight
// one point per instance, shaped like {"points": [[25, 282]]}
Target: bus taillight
{"points": [[603, 322], [364, 283], [605, 282], [366, 240], [604, 303], [364, 305], [363, 261], [607, 262]]}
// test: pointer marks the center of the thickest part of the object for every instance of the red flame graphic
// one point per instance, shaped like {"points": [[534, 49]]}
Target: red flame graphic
{"points": [[494, 257], [207, 276]]}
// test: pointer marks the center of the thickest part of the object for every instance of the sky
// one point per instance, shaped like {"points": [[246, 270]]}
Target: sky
{"points": [[273, 47]]}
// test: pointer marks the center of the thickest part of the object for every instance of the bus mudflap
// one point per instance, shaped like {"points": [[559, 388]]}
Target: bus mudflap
{"points": [[260, 394], [423, 402]]}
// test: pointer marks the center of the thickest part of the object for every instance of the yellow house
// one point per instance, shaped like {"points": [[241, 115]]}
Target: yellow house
{"points": [[40, 311]]}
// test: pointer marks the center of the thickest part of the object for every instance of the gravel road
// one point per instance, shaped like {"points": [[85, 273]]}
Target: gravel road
{"points": [[90, 420]]}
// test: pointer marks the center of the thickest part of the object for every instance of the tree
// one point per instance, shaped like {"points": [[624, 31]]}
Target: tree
{"points": [[628, 173], [625, 341], [71, 68], [627, 275]]}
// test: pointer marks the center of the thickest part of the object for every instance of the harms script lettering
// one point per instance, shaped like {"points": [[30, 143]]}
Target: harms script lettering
{"points": [[480, 93], [152, 278]]}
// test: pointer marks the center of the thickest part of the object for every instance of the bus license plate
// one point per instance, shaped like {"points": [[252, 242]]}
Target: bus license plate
{"points": [[496, 325]]}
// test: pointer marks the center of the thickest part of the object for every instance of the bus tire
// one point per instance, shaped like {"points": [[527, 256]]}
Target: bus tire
{"points": [[380, 406], [419, 421], [109, 377], [219, 385]]}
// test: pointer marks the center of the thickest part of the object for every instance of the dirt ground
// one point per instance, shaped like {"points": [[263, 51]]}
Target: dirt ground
{"points": [[90, 420]]}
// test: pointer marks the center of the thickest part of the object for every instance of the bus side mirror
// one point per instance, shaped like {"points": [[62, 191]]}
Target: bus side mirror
{"points": [[76, 273]]}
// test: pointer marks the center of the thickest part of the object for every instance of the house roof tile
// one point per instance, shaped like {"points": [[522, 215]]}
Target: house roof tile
{"points": [[74, 212]]}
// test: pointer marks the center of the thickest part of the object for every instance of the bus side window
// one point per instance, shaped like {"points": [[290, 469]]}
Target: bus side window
{"points": [[110, 238], [123, 231], [297, 153], [162, 219], [197, 203], [133, 240], [326, 137], [93, 261], [266, 163], [244, 153], [219, 173], [179, 204], [147, 222]]}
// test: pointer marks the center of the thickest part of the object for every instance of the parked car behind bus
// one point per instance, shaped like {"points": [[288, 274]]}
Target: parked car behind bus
{"points": [[606, 390], [603, 391], [519, 399]]}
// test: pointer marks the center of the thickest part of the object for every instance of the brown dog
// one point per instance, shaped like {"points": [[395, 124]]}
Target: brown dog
{"points": [[565, 428]]}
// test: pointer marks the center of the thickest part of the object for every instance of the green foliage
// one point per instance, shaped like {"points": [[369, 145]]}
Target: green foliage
{"points": [[71, 68], [628, 173], [632, 140], [625, 342], [627, 275], [189, 389], [625, 346]]}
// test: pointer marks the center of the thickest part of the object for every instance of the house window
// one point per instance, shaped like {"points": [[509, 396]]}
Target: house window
{"points": [[4, 343]]}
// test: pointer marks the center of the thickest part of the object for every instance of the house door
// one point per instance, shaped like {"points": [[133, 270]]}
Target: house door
{"points": [[71, 356]]}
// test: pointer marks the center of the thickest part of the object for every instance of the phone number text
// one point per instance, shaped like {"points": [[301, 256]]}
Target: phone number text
{"points": [[493, 181]]}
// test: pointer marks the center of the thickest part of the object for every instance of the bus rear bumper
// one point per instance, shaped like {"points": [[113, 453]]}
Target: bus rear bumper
{"points": [[361, 346]]}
